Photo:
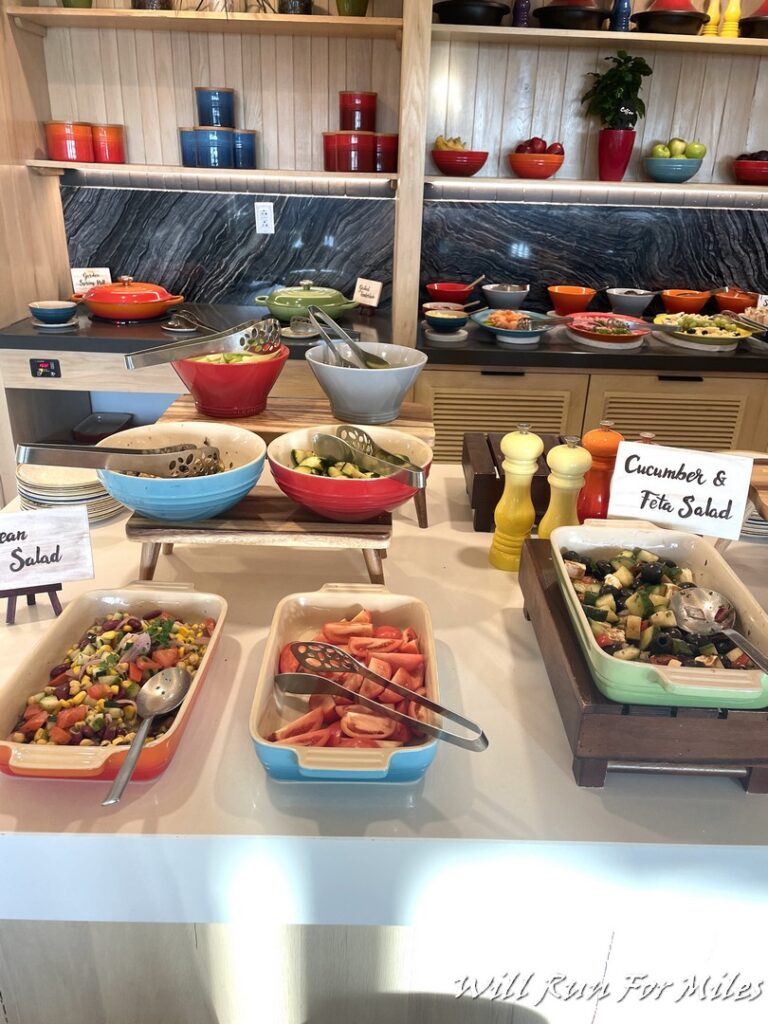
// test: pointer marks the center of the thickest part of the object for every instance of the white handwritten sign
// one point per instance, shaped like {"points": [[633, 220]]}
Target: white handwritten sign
{"points": [[693, 491], [49, 546], [84, 278], [762, 301], [367, 293]]}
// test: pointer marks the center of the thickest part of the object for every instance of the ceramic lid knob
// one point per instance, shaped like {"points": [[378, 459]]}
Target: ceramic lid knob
{"points": [[521, 449], [569, 460], [604, 442]]}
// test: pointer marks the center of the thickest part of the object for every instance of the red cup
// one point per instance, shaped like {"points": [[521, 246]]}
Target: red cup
{"points": [[357, 111], [69, 140], [386, 152], [330, 151], [355, 151], [108, 143]]}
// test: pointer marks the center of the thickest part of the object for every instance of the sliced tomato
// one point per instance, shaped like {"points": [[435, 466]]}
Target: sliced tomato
{"points": [[352, 680], [367, 726], [362, 616], [307, 723], [412, 647], [403, 707], [362, 645], [31, 709], [409, 635], [288, 661], [147, 664], [99, 690], [604, 640], [326, 703], [389, 697], [410, 662], [358, 741], [340, 632], [371, 689], [316, 738], [166, 657], [390, 632], [403, 678], [67, 718], [134, 674], [361, 709], [210, 625], [60, 736], [334, 734], [402, 733], [34, 722], [63, 678], [380, 666]]}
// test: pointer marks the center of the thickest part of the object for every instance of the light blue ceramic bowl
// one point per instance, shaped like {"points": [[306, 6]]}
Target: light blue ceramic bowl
{"points": [[53, 311], [195, 498], [507, 337], [671, 170]]}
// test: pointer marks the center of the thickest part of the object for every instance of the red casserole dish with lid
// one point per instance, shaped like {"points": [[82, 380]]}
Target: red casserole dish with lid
{"points": [[127, 299]]}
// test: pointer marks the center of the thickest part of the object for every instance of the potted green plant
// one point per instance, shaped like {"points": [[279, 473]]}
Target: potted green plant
{"points": [[615, 99]]}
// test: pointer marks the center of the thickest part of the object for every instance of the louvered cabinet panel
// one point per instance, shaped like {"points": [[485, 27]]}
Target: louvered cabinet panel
{"points": [[475, 400], [707, 412]]}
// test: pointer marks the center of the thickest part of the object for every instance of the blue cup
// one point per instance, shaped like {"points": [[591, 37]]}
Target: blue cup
{"points": [[215, 107], [215, 147], [245, 149], [188, 144]]}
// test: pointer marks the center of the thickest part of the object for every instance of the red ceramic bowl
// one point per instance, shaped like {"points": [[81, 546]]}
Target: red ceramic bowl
{"points": [[343, 500], [535, 165], [751, 172], [570, 298], [735, 300], [231, 390], [684, 300], [459, 163], [447, 291]]}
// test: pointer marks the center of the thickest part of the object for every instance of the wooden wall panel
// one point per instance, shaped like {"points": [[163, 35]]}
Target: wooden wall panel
{"points": [[495, 96]]}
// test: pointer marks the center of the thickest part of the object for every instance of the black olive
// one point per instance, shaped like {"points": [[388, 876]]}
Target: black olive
{"points": [[690, 662], [611, 648], [722, 644], [615, 591], [661, 644], [651, 572], [602, 569], [670, 563], [686, 586], [571, 556], [674, 633]]}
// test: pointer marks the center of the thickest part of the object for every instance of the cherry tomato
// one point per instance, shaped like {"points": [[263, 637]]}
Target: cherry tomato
{"points": [[60, 736], [67, 718], [166, 657], [134, 674]]}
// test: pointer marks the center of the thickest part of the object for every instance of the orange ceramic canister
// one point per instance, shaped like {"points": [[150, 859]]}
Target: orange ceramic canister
{"points": [[69, 140], [602, 444], [109, 143]]}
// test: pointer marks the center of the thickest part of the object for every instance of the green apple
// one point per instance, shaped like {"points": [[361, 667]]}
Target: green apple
{"points": [[660, 150], [695, 151], [677, 147]]}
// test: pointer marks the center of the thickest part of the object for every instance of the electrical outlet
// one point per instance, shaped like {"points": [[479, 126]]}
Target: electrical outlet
{"points": [[265, 218]]}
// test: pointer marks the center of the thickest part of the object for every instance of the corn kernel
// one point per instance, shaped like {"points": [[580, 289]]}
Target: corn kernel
{"points": [[40, 735], [87, 743], [41, 741], [78, 699], [18, 737], [114, 689], [109, 635], [100, 704], [182, 651], [66, 703]]}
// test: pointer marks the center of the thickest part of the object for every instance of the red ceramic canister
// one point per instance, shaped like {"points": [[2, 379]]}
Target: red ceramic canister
{"points": [[69, 140], [386, 152], [355, 151], [109, 143], [330, 151], [357, 111]]}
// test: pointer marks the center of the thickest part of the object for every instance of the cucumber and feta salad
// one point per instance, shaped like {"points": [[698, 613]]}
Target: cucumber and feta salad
{"points": [[626, 599], [305, 461]]}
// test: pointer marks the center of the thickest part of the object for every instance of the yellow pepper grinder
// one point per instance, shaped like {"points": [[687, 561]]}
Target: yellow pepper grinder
{"points": [[710, 28], [569, 463], [515, 515], [729, 25]]}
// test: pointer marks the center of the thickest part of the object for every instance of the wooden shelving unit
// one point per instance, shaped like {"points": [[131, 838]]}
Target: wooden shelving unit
{"points": [[580, 39], [208, 21]]}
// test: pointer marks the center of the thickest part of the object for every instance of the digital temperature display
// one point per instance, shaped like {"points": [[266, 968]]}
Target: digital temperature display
{"points": [[45, 367]]}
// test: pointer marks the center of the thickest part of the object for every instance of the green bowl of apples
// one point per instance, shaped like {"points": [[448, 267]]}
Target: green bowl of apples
{"points": [[674, 162]]}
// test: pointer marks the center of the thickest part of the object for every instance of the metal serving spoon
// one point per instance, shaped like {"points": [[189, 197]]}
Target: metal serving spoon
{"points": [[705, 612], [161, 693]]}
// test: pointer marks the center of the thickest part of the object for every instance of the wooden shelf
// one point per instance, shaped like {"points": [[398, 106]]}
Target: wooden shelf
{"points": [[208, 21], [608, 40], [45, 167]]}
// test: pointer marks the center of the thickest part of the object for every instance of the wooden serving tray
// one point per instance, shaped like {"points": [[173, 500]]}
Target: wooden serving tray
{"points": [[606, 736]]}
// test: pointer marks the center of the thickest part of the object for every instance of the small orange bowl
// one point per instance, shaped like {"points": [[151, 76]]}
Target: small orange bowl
{"points": [[735, 300], [569, 298], [684, 300], [535, 165]]}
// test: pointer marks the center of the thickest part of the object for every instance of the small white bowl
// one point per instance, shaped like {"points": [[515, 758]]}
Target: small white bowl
{"points": [[505, 296], [630, 301]]}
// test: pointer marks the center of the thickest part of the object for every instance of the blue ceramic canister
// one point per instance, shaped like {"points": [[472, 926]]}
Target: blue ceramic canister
{"points": [[215, 107], [245, 149], [188, 145], [215, 147]]}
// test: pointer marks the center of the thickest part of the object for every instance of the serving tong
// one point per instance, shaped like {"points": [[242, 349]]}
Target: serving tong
{"points": [[339, 449], [331, 332], [320, 657], [176, 461], [256, 336]]}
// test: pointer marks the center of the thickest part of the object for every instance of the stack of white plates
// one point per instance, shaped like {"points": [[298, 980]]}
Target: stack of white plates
{"points": [[59, 487], [755, 527]]}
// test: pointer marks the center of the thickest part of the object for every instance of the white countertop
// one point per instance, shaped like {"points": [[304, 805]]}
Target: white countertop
{"points": [[215, 801]]}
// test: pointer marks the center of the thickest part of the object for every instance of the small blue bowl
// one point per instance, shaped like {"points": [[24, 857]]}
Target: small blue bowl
{"points": [[186, 500], [446, 323], [53, 311], [671, 170]]}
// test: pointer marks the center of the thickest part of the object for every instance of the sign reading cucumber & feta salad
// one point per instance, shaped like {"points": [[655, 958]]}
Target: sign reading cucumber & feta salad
{"points": [[699, 492]]}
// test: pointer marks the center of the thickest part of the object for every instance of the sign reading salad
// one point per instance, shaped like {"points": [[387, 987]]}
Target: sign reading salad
{"points": [[49, 546], [688, 490]]}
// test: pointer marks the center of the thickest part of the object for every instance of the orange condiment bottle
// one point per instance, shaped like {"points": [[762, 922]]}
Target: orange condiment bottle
{"points": [[602, 444]]}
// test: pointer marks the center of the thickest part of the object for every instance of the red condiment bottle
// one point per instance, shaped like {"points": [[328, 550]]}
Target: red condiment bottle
{"points": [[602, 444]]}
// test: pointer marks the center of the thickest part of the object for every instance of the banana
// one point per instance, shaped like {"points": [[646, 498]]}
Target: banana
{"points": [[454, 143]]}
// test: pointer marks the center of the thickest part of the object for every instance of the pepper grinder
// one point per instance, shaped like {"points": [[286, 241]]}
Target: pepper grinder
{"points": [[713, 10], [620, 16], [515, 515], [729, 26], [602, 444], [521, 15], [568, 462]]}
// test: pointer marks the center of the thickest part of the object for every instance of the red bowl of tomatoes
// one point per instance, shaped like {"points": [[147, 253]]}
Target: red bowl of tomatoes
{"points": [[343, 499]]}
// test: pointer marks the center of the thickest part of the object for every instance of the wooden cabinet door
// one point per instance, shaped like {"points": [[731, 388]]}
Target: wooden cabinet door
{"points": [[696, 411], [485, 400]]}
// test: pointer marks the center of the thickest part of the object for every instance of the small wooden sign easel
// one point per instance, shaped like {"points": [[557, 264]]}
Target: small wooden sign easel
{"points": [[31, 594]]}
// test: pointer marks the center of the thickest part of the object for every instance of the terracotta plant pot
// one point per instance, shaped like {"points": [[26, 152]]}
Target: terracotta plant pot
{"points": [[614, 148]]}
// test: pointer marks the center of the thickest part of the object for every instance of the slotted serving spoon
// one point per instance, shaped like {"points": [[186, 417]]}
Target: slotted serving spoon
{"points": [[256, 336], [325, 325], [174, 462], [329, 446]]}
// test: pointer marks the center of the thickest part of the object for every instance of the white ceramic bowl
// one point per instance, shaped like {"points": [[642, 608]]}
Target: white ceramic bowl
{"points": [[367, 396], [505, 296], [630, 301]]}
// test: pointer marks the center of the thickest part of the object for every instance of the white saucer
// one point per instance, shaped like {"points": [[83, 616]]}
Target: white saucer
{"points": [[504, 341], [445, 337], [286, 332], [54, 327], [611, 346]]}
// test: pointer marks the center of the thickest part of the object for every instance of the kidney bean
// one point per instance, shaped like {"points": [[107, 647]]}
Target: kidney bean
{"points": [[153, 614], [61, 692], [110, 624], [133, 624], [57, 670]]}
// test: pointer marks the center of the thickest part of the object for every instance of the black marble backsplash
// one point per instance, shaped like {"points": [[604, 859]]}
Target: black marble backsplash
{"points": [[595, 246], [204, 245]]}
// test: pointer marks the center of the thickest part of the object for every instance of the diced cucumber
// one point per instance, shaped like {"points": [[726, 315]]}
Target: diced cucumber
{"points": [[594, 588], [334, 471], [639, 604], [646, 556], [707, 649], [596, 614], [686, 576], [625, 575], [305, 469], [349, 469], [673, 572], [665, 618], [627, 653], [612, 616], [681, 647], [598, 628], [634, 627], [50, 703], [622, 562], [649, 634], [312, 462], [606, 601], [298, 455], [590, 598]]}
